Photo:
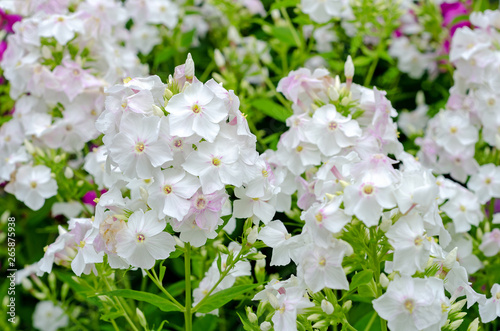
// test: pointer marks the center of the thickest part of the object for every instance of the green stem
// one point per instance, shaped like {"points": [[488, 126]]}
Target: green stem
{"points": [[222, 276], [188, 315], [156, 281], [371, 71], [492, 208], [370, 323], [125, 314]]}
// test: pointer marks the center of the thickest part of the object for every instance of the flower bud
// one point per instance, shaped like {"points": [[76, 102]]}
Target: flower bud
{"points": [[327, 307], [474, 325], [252, 236], [157, 111], [189, 68], [26, 283], [141, 318], [347, 305], [29, 146], [223, 249], [273, 300], [349, 68], [252, 317], [220, 61], [479, 234], [68, 173], [46, 53], [333, 94], [455, 324], [265, 326], [79, 183], [314, 317], [321, 324], [386, 224], [384, 281], [450, 259], [420, 99], [457, 306]]}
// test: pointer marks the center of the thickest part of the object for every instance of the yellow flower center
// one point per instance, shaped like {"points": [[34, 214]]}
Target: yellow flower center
{"points": [[299, 149], [167, 189], [497, 296], [265, 173], [487, 181], [418, 241], [322, 261], [178, 143], [409, 305], [462, 208], [201, 203], [216, 162], [33, 184], [140, 238], [332, 126], [368, 189], [196, 109], [453, 129], [139, 147], [319, 217]]}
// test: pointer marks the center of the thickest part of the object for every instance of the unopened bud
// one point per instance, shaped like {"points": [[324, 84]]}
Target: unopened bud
{"points": [[385, 225], [68, 173], [384, 281], [141, 318], [178, 242], [223, 249], [80, 183], [455, 324], [29, 146], [487, 227], [220, 61], [450, 259], [349, 68], [347, 305], [420, 99], [144, 193], [189, 68], [265, 326], [479, 234], [157, 111], [314, 317], [321, 324], [26, 283], [46, 53], [333, 94], [168, 94], [57, 158], [252, 236], [252, 317], [39, 295], [39, 151], [327, 307], [457, 306], [273, 300], [474, 325]]}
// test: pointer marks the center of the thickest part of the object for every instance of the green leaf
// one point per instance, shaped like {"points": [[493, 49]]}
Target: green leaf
{"points": [[284, 4], [361, 278], [187, 38], [272, 109], [162, 303], [362, 61], [219, 299], [111, 315], [163, 56], [284, 35]]}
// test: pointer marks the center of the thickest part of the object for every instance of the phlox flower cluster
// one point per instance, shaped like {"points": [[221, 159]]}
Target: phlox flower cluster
{"points": [[169, 152], [50, 47], [342, 157]]}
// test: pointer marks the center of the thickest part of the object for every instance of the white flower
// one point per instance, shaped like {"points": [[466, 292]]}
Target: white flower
{"points": [[137, 149], [49, 317], [490, 310], [276, 236], [143, 240], [411, 246], [331, 131], [464, 210], [171, 191], [33, 185], [411, 304], [486, 183], [196, 110], [61, 27]]}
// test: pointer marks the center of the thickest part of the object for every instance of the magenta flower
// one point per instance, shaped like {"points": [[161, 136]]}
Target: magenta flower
{"points": [[7, 21]]}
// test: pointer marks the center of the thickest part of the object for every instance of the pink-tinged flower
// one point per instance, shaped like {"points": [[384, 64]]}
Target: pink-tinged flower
{"points": [[490, 309], [331, 131], [303, 87], [276, 236], [325, 219], [322, 267], [490, 245], [86, 255], [196, 110], [170, 193], [289, 304], [33, 185], [80, 79], [143, 241], [3, 47], [136, 148], [411, 304], [61, 252], [215, 164]]}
